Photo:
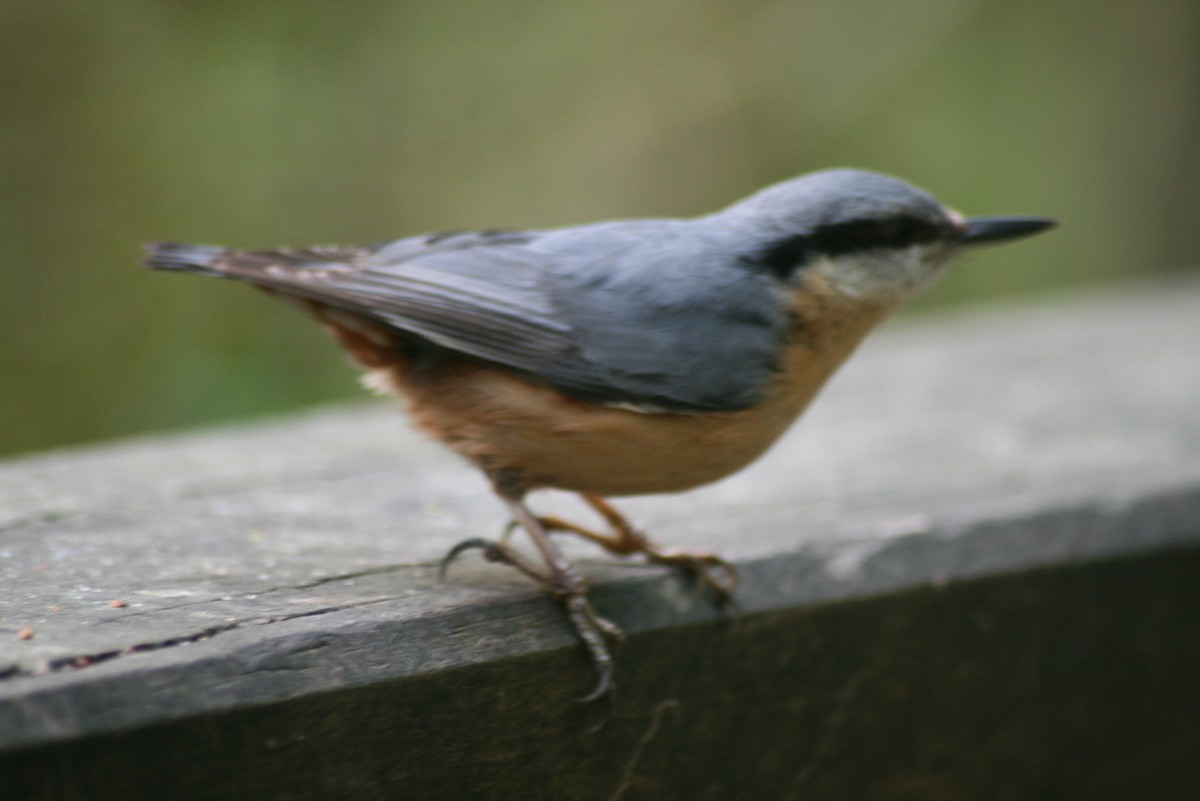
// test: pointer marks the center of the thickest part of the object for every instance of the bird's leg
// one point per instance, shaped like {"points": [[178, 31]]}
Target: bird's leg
{"points": [[624, 539], [557, 577]]}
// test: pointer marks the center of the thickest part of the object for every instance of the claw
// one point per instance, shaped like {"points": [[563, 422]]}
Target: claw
{"points": [[496, 551], [702, 567], [584, 619], [593, 630], [491, 552]]}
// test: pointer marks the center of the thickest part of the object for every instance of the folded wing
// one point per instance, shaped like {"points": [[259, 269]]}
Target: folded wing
{"points": [[497, 296]]}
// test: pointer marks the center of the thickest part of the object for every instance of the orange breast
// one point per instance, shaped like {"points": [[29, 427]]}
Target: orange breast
{"points": [[509, 425]]}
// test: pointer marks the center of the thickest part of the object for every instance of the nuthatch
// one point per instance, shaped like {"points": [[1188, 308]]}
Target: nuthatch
{"points": [[620, 358]]}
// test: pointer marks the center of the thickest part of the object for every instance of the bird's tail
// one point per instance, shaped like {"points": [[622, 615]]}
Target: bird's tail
{"points": [[201, 259]]}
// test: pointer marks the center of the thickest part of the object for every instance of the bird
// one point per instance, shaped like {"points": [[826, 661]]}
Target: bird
{"points": [[624, 357]]}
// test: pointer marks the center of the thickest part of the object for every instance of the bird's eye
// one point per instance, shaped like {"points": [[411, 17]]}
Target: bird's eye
{"points": [[894, 232], [898, 232]]}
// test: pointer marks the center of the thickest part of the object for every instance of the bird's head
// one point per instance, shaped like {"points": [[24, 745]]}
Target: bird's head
{"points": [[865, 235]]}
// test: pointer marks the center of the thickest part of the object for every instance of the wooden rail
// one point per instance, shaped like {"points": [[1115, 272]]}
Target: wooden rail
{"points": [[972, 571]]}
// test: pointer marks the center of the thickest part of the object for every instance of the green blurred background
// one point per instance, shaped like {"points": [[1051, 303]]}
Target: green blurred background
{"points": [[264, 122]]}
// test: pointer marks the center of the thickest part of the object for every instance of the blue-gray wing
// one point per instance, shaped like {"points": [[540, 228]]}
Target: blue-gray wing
{"points": [[594, 312]]}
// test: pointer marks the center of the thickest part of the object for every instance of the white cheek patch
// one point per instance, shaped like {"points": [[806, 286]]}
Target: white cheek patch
{"points": [[881, 274]]}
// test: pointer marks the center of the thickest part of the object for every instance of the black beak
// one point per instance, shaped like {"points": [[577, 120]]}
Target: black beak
{"points": [[986, 230]]}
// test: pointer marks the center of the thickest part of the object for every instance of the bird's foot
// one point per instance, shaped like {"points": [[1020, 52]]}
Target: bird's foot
{"points": [[559, 580], [714, 574], [718, 578]]}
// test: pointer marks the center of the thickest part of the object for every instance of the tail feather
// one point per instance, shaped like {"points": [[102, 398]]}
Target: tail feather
{"points": [[201, 259]]}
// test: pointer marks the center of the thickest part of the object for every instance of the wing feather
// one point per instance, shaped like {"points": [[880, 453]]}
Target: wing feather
{"points": [[583, 309], [435, 290]]}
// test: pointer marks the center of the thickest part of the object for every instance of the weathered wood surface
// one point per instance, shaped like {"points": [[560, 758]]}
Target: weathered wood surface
{"points": [[969, 572]]}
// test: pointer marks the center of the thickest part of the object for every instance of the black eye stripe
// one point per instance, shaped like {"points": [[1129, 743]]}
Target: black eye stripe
{"points": [[894, 232], [785, 255]]}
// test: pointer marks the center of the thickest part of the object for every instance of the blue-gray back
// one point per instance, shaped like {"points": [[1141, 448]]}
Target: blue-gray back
{"points": [[644, 312]]}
